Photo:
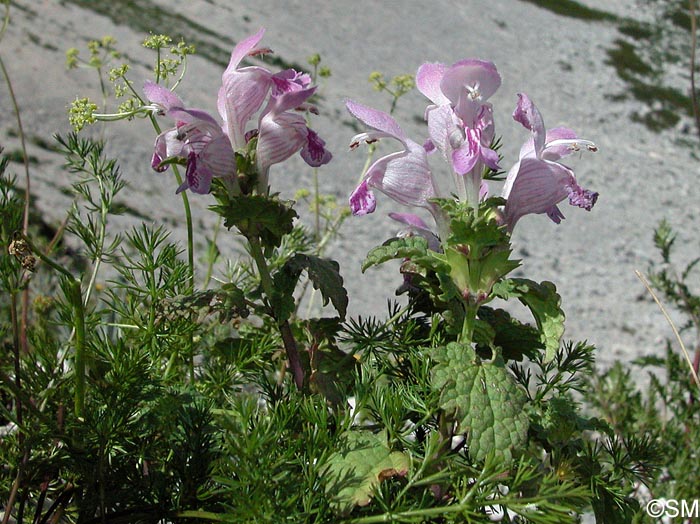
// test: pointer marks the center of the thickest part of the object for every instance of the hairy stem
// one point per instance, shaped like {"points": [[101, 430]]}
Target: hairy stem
{"points": [[467, 334]]}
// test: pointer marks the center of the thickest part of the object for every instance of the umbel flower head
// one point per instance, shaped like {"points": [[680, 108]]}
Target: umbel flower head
{"points": [[209, 147]]}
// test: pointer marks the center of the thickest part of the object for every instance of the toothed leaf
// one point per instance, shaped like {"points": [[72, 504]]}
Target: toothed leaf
{"points": [[323, 273], [363, 462], [544, 302], [483, 398], [407, 247]]}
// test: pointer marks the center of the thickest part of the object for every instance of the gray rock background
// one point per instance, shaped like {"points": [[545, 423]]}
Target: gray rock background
{"points": [[560, 61]]}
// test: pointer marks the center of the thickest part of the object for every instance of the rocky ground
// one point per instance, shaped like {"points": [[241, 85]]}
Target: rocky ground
{"points": [[562, 60]]}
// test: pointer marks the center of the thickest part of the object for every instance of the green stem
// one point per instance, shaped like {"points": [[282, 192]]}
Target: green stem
{"points": [[76, 299], [190, 230], [693, 44], [290, 345], [317, 206], [17, 363], [102, 234], [27, 189], [190, 258], [201, 515], [467, 335], [212, 256], [188, 214], [45, 259]]}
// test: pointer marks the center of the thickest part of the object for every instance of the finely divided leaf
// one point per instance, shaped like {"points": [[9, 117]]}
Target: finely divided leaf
{"points": [[354, 471], [484, 400]]}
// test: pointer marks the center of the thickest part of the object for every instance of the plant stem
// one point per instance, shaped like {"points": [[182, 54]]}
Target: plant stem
{"points": [[101, 235], [76, 299], [75, 296], [15, 488], [190, 254], [467, 334], [213, 255], [27, 189], [290, 345], [17, 363], [693, 371], [693, 43], [188, 213], [190, 230], [317, 207]]}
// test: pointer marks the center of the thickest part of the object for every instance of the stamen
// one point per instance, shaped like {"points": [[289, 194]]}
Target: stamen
{"points": [[474, 93]]}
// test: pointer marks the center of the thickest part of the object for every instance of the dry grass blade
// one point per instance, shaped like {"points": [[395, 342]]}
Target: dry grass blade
{"points": [[673, 326]]}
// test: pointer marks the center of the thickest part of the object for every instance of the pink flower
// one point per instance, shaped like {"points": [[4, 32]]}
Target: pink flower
{"points": [[209, 147], [538, 182], [403, 176], [460, 121]]}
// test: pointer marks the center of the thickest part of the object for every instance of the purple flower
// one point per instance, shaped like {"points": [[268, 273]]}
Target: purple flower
{"points": [[403, 176], [538, 181], [282, 133], [208, 147], [460, 121]]}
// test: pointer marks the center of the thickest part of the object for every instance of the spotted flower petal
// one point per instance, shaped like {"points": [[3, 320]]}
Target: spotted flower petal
{"points": [[403, 176], [537, 183]]}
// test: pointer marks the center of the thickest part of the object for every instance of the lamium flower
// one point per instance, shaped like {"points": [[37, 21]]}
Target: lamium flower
{"points": [[538, 182], [460, 121], [403, 176], [208, 146]]}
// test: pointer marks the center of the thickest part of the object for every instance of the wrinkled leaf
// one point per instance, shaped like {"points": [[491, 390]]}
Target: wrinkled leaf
{"points": [[484, 400], [323, 273], [354, 471], [545, 304], [413, 247], [258, 216], [513, 337]]}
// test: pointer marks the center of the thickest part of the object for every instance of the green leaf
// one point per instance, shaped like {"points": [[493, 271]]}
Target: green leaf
{"points": [[229, 302], [323, 273], [513, 337], [483, 398], [545, 304], [255, 215], [406, 247], [364, 460]]}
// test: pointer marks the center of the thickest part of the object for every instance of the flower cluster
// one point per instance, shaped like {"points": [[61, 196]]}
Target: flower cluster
{"points": [[461, 128], [212, 149]]}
